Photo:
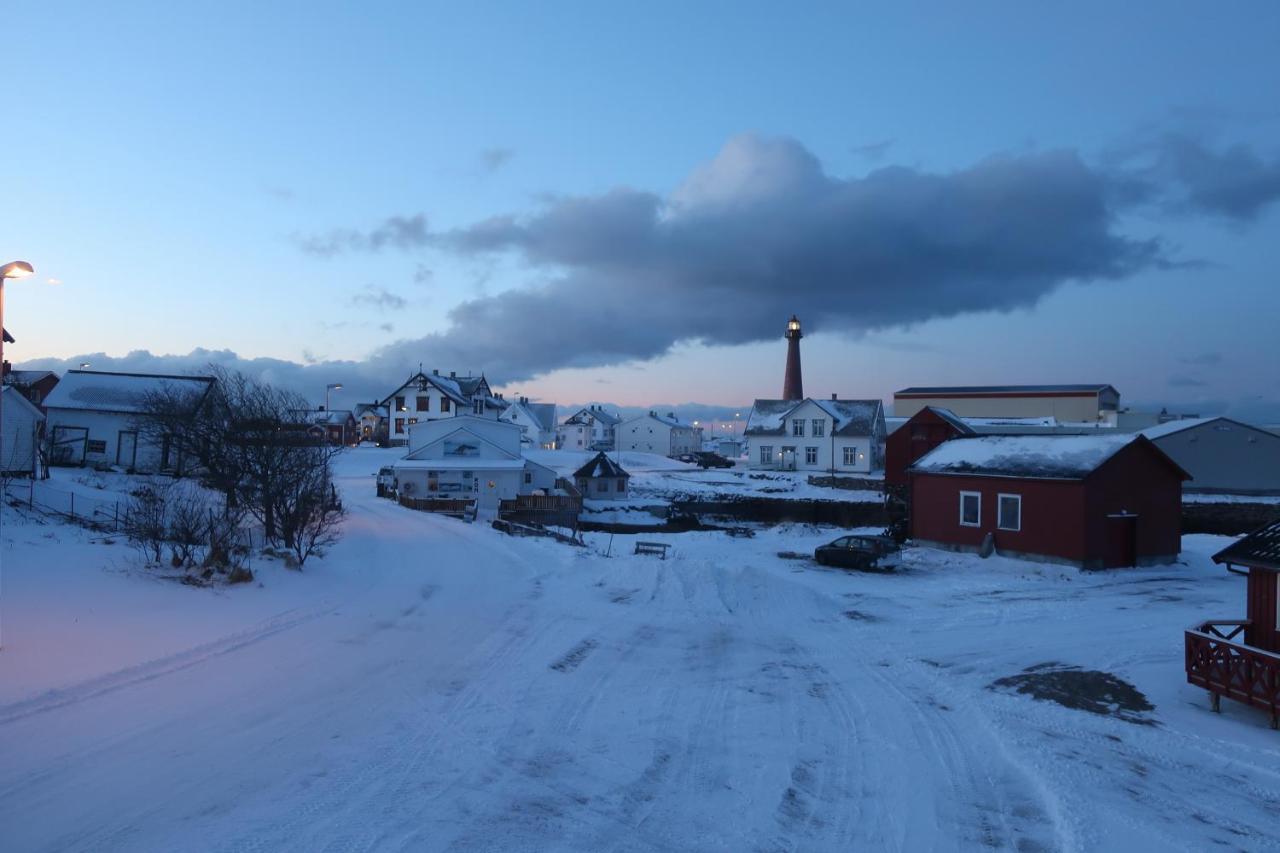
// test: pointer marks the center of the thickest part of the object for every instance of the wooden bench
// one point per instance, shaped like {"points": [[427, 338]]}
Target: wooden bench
{"points": [[658, 548]]}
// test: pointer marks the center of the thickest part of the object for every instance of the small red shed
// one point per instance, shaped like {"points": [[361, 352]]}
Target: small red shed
{"points": [[1245, 668], [925, 430], [1094, 501]]}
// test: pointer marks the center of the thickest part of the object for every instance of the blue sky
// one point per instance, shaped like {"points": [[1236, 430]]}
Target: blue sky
{"points": [[168, 167]]}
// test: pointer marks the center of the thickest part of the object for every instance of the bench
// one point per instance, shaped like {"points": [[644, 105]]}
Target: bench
{"points": [[658, 548]]}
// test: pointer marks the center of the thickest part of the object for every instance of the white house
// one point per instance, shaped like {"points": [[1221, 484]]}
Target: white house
{"points": [[590, 428], [468, 457], [19, 433], [602, 479], [92, 418], [838, 436], [655, 433], [430, 396], [537, 422], [369, 418]]}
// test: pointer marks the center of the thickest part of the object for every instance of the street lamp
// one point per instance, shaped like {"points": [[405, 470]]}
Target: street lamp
{"points": [[84, 365], [15, 270], [335, 386]]}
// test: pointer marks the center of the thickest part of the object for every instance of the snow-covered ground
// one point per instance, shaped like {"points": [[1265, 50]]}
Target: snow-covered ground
{"points": [[433, 685], [656, 479]]}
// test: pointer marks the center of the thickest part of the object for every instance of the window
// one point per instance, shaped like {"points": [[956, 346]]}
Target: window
{"points": [[96, 445], [528, 477], [811, 456], [970, 509], [399, 424], [444, 404], [412, 421], [477, 406], [850, 455], [602, 485], [622, 485], [819, 427], [797, 428], [1010, 515], [766, 454], [399, 404], [424, 404]]}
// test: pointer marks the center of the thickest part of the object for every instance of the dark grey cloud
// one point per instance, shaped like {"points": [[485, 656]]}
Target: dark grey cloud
{"points": [[380, 298], [396, 232], [1185, 173], [761, 232], [493, 159]]}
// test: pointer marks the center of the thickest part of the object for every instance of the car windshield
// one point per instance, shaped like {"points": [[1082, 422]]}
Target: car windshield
{"points": [[842, 542]]}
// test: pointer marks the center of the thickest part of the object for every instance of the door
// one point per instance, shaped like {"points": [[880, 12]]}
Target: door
{"points": [[126, 448], [68, 445], [1122, 540]]}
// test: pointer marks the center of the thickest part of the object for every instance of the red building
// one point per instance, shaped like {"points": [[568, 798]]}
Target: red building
{"points": [[1240, 658], [926, 429], [1093, 501]]}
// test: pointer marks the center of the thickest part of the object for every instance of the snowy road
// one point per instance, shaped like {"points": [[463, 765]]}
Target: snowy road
{"points": [[466, 691]]}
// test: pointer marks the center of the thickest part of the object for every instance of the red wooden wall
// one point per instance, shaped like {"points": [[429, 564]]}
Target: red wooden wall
{"points": [[1263, 633], [922, 433]]}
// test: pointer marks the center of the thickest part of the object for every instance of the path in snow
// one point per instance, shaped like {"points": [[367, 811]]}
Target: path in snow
{"points": [[479, 692]]}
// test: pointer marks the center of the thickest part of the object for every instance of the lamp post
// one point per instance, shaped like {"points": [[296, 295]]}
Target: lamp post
{"points": [[334, 386], [14, 269]]}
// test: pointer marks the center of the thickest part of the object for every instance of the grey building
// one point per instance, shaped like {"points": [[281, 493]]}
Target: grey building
{"points": [[1221, 455]]}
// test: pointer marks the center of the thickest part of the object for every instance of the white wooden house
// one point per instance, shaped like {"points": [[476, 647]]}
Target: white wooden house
{"points": [[836, 436], [19, 434], [430, 396], [93, 418], [468, 457], [537, 422], [590, 428], [655, 433]]}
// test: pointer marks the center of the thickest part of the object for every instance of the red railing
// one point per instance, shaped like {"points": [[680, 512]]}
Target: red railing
{"points": [[1233, 669]]}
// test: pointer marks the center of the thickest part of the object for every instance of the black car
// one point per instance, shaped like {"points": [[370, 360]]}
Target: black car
{"points": [[707, 459], [868, 553]]}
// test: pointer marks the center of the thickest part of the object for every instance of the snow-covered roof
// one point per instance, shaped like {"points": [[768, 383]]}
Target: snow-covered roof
{"points": [[1170, 427], [668, 419], [542, 414], [952, 418], [600, 465], [470, 463], [16, 399], [459, 388], [98, 391], [1260, 549], [766, 416], [1069, 457], [26, 377], [604, 417], [851, 417]]}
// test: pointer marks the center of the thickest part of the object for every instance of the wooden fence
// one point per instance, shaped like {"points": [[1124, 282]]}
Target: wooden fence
{"points": [[444, 506], [1237, 671]]}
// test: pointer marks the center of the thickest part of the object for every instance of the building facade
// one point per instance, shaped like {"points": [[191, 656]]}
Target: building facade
{"points": [[590, 428], [431, 396], [1064, 403], [833, 436], [1092, 501], [663, 434], [20, 434], [1222, 456], [537, 422]]}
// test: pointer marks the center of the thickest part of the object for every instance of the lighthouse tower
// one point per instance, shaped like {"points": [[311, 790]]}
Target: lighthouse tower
{"points": [[792, 384]]}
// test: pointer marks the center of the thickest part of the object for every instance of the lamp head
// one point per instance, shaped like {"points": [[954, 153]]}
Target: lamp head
{"points": [[16, 269]]}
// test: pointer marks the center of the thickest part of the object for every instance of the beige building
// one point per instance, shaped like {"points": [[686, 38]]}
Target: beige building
{"points": [[1064, 403]]}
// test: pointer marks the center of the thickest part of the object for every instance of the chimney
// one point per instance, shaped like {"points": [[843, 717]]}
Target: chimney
{"points": [[436, 372], [453, 374], [671, 415], [792, 383], [833, 396]]}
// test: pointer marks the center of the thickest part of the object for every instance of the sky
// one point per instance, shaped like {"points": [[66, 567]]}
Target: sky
{"points": [[624, 203]]}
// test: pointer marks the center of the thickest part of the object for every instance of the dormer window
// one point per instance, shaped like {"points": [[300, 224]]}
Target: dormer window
{"points": [[797, 428]]}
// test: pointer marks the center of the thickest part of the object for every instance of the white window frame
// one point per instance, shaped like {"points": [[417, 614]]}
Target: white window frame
{"points": [[818, 427], [797, 428], [964, 523], [849, 456], [999, 503], [766, 454], [811, 451]]}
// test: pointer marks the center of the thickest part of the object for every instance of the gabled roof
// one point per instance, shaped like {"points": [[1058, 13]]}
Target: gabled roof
{"points": [[949, 390], [16, 399], [1059, 457], [461, 428], [542, 414], [669, 420], [333, 417], [1259, 550], [600, 465], [451, 387], [604, 417], [951, 418], [1172, 427], [362, 409], [850, 417], [27, 377], [99, 391]]}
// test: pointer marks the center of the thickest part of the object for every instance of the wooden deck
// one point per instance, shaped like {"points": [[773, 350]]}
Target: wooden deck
{"points": [[1218, 660]]}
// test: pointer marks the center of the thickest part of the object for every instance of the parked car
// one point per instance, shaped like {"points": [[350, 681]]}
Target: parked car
{"points": [[866, 553], [707, 459], [687, 457], [386, 481]]}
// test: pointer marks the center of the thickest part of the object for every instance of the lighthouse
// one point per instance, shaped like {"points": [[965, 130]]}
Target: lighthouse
{"points": [[792, 384]]}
